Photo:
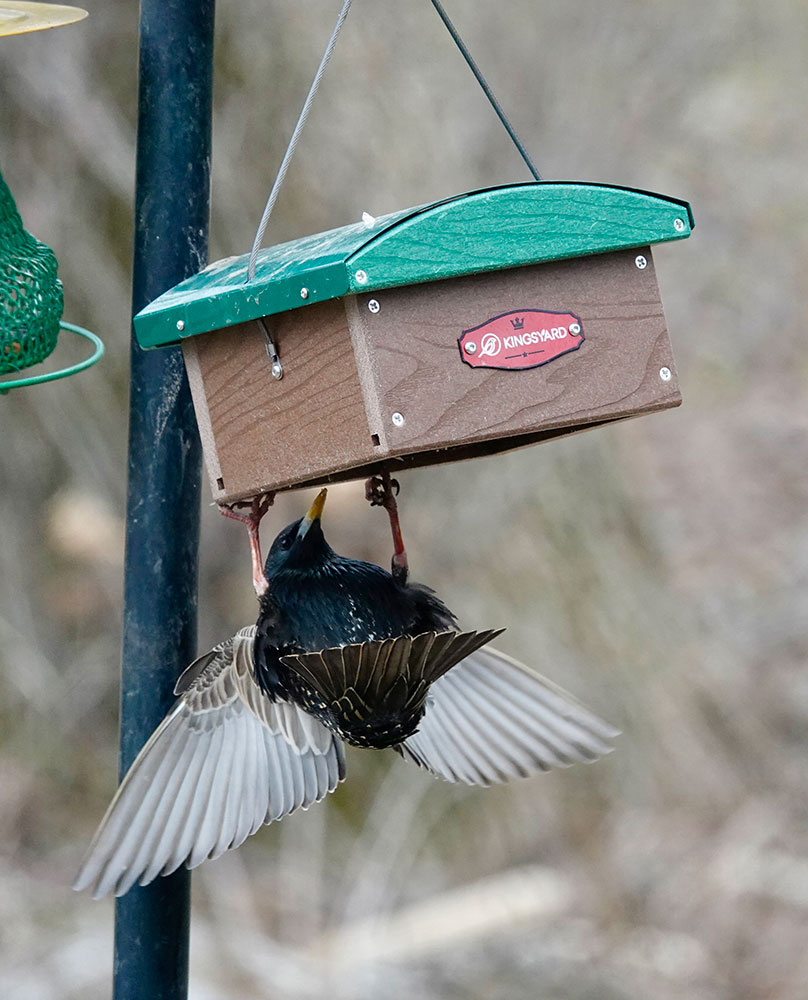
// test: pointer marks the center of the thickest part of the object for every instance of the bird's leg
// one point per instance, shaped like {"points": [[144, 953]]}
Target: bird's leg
{"points": [[381, 491], [258, 506]]}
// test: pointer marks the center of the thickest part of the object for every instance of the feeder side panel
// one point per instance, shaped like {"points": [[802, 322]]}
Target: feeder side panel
{"points": [[270, 434], [444, 402], [196, 381]]}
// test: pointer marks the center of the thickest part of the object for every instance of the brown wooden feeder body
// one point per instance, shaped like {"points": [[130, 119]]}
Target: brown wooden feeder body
{"points": [[383, 377]]}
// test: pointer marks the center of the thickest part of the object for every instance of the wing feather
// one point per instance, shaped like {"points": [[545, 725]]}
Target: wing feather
{"points": [[280, 800], [490, 719], [502, 722], [214, 814], [223, 820], [122, 830], [484, 758], [189, 828], [463, 763], [224, 761], [155, 837], [525, 727]]}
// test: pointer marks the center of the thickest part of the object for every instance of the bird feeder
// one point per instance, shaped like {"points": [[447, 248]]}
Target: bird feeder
{"points": [[31, 303], [31, 299], [468, 327]]}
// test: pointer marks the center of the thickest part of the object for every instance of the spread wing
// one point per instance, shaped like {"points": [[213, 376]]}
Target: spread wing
{"points": [[491, 718], [223, 762]]}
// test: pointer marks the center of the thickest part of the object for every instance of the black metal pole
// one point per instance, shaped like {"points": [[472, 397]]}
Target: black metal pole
{"points": [[159, 638]]}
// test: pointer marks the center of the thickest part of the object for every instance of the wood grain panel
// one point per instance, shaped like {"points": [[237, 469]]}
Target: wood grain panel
{"points": [[190, 353], [341, 386], [415, 369], [269, 433]]}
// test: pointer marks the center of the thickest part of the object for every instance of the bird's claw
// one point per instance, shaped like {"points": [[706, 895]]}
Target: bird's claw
{"points": [[379, 490], [257, 507], [374, 491]]}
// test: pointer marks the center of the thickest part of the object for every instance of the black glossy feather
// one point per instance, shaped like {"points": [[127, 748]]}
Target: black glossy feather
{"points": [[320, 602]]}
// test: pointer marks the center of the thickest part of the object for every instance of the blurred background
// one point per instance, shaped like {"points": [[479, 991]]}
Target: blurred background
{"points": [[657, 569]]}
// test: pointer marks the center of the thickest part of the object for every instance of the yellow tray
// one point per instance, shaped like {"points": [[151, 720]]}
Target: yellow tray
{"points": [[17, 16]]}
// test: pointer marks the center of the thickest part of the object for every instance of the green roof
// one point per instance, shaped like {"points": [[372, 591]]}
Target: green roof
{"points": [[488, 230]]}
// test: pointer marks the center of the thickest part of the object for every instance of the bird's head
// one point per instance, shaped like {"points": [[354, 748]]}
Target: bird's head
{"points": [[301, 545]]}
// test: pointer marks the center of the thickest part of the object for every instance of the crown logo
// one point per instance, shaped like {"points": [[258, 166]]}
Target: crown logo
{"points": [[518, 323]]}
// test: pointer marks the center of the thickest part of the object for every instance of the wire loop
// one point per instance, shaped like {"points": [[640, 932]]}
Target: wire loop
{"points": [[97, 354]]}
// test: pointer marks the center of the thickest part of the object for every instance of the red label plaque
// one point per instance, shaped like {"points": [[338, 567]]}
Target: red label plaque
{"points": [[526, 338]]}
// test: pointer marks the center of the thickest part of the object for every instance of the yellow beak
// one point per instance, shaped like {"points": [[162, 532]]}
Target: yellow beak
{"points": [[313, 514], [316, 509]]}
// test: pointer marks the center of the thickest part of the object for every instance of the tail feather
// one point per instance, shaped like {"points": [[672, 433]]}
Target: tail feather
{"points": [[376, 690]]}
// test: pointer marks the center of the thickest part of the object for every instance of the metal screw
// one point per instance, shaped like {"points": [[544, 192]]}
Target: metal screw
{"points": [[277, 370], [665, 374], [398, 419], [679, 225], [470, 347], [641, 262], [180, 325], [575, 328], [304, 293], [361, 277], [374, 306]]}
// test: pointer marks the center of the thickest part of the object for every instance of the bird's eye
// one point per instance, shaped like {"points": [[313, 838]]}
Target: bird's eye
{"points": [[286, 543]]}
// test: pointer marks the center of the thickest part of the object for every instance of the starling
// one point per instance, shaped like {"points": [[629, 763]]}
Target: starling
{"points": [[342, 651]]}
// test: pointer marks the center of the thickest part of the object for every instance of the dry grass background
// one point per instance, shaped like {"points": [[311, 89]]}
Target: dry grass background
{"points": [[659, 569]]}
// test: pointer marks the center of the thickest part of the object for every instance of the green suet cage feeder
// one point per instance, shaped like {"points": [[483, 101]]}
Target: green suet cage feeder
{"points": [[31, 302], [31, 298]]}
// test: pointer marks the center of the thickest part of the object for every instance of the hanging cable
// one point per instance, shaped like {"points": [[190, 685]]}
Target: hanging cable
{"points": [[315, 86], [475, 69], [304, 114]]}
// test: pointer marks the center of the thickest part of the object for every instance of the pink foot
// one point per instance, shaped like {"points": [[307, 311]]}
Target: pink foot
{"points": [[258, 506], [381, 491]]}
